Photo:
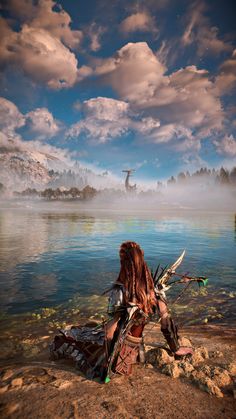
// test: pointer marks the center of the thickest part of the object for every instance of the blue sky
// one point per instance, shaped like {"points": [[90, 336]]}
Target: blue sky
{"points": [[148, 84]]}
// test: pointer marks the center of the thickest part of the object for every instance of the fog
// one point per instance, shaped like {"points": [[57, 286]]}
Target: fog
{"points": [[180, 197]]}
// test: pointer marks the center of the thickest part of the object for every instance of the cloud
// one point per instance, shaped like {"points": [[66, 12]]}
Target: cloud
{"points": [[200, 32], [226, 80], [42, 123], [184, 99], [47, 15], [39, 121], [226, 146], [42, 47], [95, 33], [104, 119], [41, 56], [140, 21], [134, 72], [10, 117]]}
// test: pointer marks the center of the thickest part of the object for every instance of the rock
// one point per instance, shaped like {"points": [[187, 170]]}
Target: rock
{"points": [[3, 389], [7, 374], [149, 366], [234, 394], [172, 369], [158, 357], [62, 384], [199, 355], [216, 354], [232, 368], [17, 382], [205, 383], [183, 341], [211, 388], [220, 377], [187, 368], [205, 369]]}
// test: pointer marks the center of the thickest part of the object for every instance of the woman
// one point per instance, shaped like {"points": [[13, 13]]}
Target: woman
{"points": [[115, 346]]}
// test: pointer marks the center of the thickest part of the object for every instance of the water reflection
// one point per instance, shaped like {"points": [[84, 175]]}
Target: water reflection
{"points": [[48, 256]]}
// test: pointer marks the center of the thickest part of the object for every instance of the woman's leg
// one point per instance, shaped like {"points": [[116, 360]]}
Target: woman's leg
{"points": [[170, 331]]}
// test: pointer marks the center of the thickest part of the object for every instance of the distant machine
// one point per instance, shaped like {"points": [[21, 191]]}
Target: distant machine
{"points": [[129, 187]]}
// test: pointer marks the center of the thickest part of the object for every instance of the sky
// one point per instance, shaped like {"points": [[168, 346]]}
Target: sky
{"points": [[146, 84]]}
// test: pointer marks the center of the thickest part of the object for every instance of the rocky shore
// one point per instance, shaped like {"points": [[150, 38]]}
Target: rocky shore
{"points": [[34, 387]]}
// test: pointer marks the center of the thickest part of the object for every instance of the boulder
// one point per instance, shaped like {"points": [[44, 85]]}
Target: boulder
{"points": [[186, 368], [173, 370], [220, 377], [205, 383], [199, 355], [232, 368], [158, 357], [183, 341]]}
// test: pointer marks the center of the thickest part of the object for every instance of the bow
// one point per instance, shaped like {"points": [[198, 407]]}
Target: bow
{"points": [[162, 275]]}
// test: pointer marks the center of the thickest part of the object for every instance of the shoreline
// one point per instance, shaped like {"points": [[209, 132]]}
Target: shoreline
{"points": [[34, 385]]}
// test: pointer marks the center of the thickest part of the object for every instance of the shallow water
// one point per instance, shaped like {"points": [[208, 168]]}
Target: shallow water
{"points": [[53, 253]]}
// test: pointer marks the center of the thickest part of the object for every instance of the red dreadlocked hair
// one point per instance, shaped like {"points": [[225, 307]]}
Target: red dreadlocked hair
{"points": [[136, 277]]}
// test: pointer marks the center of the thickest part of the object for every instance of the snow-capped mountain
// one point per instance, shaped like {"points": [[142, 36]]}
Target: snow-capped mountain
{"points": [[22, 169]]}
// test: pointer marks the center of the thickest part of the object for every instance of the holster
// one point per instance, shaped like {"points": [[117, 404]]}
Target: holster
{"points": [[170, 333]]}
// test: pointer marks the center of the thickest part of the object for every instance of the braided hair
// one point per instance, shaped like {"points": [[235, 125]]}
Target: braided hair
{"points": [[135, 277]]}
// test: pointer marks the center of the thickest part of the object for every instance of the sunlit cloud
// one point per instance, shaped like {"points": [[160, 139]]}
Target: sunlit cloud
{"points": [[226, 80], [226, 146], [42, 46], [42, 123], [140, 21], [200, 32]]}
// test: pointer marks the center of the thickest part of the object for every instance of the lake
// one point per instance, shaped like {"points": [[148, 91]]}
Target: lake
{"points": [[60, 254]]}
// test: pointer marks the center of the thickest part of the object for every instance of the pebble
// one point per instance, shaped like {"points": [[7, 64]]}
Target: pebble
{"points": [[17, 382], [3, 389], [7, 374]]}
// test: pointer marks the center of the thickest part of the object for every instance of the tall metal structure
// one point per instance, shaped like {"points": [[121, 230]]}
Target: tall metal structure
{"points": [[129, 187]]}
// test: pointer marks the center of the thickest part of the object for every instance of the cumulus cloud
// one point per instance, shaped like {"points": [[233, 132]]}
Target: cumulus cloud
{"points": [[226, 146], [226, 80], [42, 46], [200, 32], [41, 56], [134, 72], [104, 119], [10, 117], [42, 123], [184, 99], [140, 21], [39, 121], [47, 15]]}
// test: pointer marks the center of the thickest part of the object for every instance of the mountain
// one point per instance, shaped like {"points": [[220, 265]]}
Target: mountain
{"points": [[22, 169]]}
